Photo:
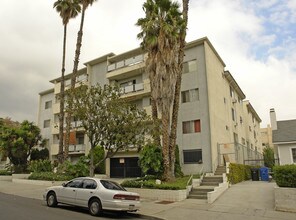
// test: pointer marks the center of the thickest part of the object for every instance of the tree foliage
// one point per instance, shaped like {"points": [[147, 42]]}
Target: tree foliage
{"points": [[163, 32], [268, 155], [17, 141], [150, 160], [108, 120]]}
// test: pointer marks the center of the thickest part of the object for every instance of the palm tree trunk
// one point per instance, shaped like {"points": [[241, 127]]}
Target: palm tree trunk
{"points": [[156, 134], [167, 175], [73, 80], [62, 99], [176, 103]]}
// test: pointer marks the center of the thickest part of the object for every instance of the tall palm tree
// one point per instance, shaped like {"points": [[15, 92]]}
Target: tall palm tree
{"points": [[160, 33], [176, 104], [85, 4], [67, 9]]}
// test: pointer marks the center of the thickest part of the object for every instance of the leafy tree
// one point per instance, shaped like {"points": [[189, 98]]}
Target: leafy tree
{"points": [[17, 141], [67, 9], [150, 160], [85, 4], [108, 120], [163, 34], [37, 154], [99, 154], [268, 155]]}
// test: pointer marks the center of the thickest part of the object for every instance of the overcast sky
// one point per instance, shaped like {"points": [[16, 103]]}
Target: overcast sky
{"points": [[255, 38]]}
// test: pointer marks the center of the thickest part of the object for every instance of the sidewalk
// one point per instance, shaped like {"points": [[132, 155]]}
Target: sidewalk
{"points": [[247, 200]]}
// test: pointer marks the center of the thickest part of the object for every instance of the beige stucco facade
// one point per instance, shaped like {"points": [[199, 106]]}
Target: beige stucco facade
{"points": [[212, 109]]}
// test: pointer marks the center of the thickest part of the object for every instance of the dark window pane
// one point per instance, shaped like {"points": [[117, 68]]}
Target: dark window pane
{"points": [[192, 156]]}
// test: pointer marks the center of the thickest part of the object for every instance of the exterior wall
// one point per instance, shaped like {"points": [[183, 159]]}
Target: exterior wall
{"points": [[285, 153], [46, 114], [213, 108], [218, 112]]}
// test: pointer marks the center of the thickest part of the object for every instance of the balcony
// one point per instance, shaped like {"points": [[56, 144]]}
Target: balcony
{"points": [[129, 67], [56, 108], [78, 148], [57, 86], [136, 91]]}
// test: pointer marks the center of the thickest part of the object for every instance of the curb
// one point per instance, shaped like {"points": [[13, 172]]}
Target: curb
{"points": [[149, 217]]}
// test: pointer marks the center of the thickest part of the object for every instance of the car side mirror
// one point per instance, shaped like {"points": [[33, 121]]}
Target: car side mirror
{"points": [[64, 184]]}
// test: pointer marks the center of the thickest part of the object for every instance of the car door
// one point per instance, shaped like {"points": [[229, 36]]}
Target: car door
{"points": [[68, 193], [85, 192]]}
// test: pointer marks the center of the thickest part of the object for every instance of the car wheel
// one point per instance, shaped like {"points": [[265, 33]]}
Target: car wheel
{"points": [[95, 207], [51, 199]]}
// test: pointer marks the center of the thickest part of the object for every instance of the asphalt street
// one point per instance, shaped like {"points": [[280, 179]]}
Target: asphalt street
{"points": [[15, 207]]}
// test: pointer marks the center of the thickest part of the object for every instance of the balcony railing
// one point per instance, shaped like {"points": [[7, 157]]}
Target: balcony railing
{"points": [[77, 148], [127, 62], [132, 88]]}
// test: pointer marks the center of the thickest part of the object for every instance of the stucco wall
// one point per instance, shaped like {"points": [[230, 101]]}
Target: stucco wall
{"points": [[285, 153]]}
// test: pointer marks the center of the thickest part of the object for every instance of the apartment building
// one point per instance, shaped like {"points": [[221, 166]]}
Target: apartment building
{"points": [[215, 123]]}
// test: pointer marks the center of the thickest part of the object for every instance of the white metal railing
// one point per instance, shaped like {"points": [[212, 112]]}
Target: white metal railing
{"points": [[132, 88], [77, 148], [127, 62]]}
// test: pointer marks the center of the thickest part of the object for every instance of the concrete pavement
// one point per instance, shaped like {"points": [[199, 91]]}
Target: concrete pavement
{"points": [[246, 200]]}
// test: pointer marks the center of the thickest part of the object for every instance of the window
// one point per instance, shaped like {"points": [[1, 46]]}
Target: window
{"points": [[294, 155], [233, 114], [75, 184], [243, 141], [189, 66], [48, 104], [80, 138], [190, 95], [46, 123], [191, 127], [89, 184], [231, 92], [192, 156]]}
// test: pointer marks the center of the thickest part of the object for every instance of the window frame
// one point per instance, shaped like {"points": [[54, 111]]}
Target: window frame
{"points": [[45, 125], [292, 157], [48, 104], [198, 160]]}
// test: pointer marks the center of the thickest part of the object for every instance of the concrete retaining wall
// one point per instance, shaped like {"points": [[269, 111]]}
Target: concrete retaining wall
{"points": [[38, 182], [285, 199], [162, 195], [5, 178], [20, 176]]}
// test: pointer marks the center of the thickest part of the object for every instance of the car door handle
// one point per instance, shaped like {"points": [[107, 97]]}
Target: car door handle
{"points": [[74, 190], [91, 192]]}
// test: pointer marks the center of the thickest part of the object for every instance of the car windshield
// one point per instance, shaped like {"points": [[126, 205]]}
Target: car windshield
{"points": [[112, 185]]}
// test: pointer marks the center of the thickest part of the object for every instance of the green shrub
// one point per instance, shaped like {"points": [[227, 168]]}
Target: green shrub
{"points": [[238, 173], [99, 154], [285, 175], [81, 168], [38, 166], [150, 160], [42, 154], [178, 184], [5, 173], [49, 176]]}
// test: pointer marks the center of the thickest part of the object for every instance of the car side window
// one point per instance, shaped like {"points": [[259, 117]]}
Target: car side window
{"points": [[89, 184], [74, 184]]}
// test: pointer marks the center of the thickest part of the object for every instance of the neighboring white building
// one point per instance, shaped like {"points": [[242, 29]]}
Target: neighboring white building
{"points": [[214, 120], [284, 138]]}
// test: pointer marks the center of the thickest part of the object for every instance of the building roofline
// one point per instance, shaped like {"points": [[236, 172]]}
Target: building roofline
{"points": [[68, 76], [46, 91], [201, 41], [100, 59], [125, 55], [234, 84], [251, 109]]}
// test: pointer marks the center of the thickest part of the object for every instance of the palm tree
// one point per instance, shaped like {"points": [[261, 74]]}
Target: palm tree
{"points": [[176, 104], [160, 33], [85, 4], [67, 9]]}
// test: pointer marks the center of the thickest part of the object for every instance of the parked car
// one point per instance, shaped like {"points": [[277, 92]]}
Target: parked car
{"points": [[93, 193]]}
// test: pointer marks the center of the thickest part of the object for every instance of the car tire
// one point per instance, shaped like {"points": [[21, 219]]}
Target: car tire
{"points": [[95, 207], [51, 199]]}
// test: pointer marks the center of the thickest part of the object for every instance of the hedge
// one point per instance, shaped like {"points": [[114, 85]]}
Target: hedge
{"points": [[285, 175], [49, 176], [5, 173], [238, 173], [178, 184]]}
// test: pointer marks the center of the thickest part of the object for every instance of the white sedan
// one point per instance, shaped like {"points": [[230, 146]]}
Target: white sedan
{"points": [[93, 193]]}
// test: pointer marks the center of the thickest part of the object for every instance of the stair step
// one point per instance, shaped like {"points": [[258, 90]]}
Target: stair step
{"points": [[210, 183], [198, 193], [213, 179], [203, 189], [197, 197]]}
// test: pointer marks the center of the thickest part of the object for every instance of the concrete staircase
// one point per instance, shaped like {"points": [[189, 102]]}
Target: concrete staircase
{"points": [[208, 184]]}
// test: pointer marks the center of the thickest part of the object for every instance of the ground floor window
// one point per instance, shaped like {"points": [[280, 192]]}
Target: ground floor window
{"points": [[192, 156], [294, 155]]}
